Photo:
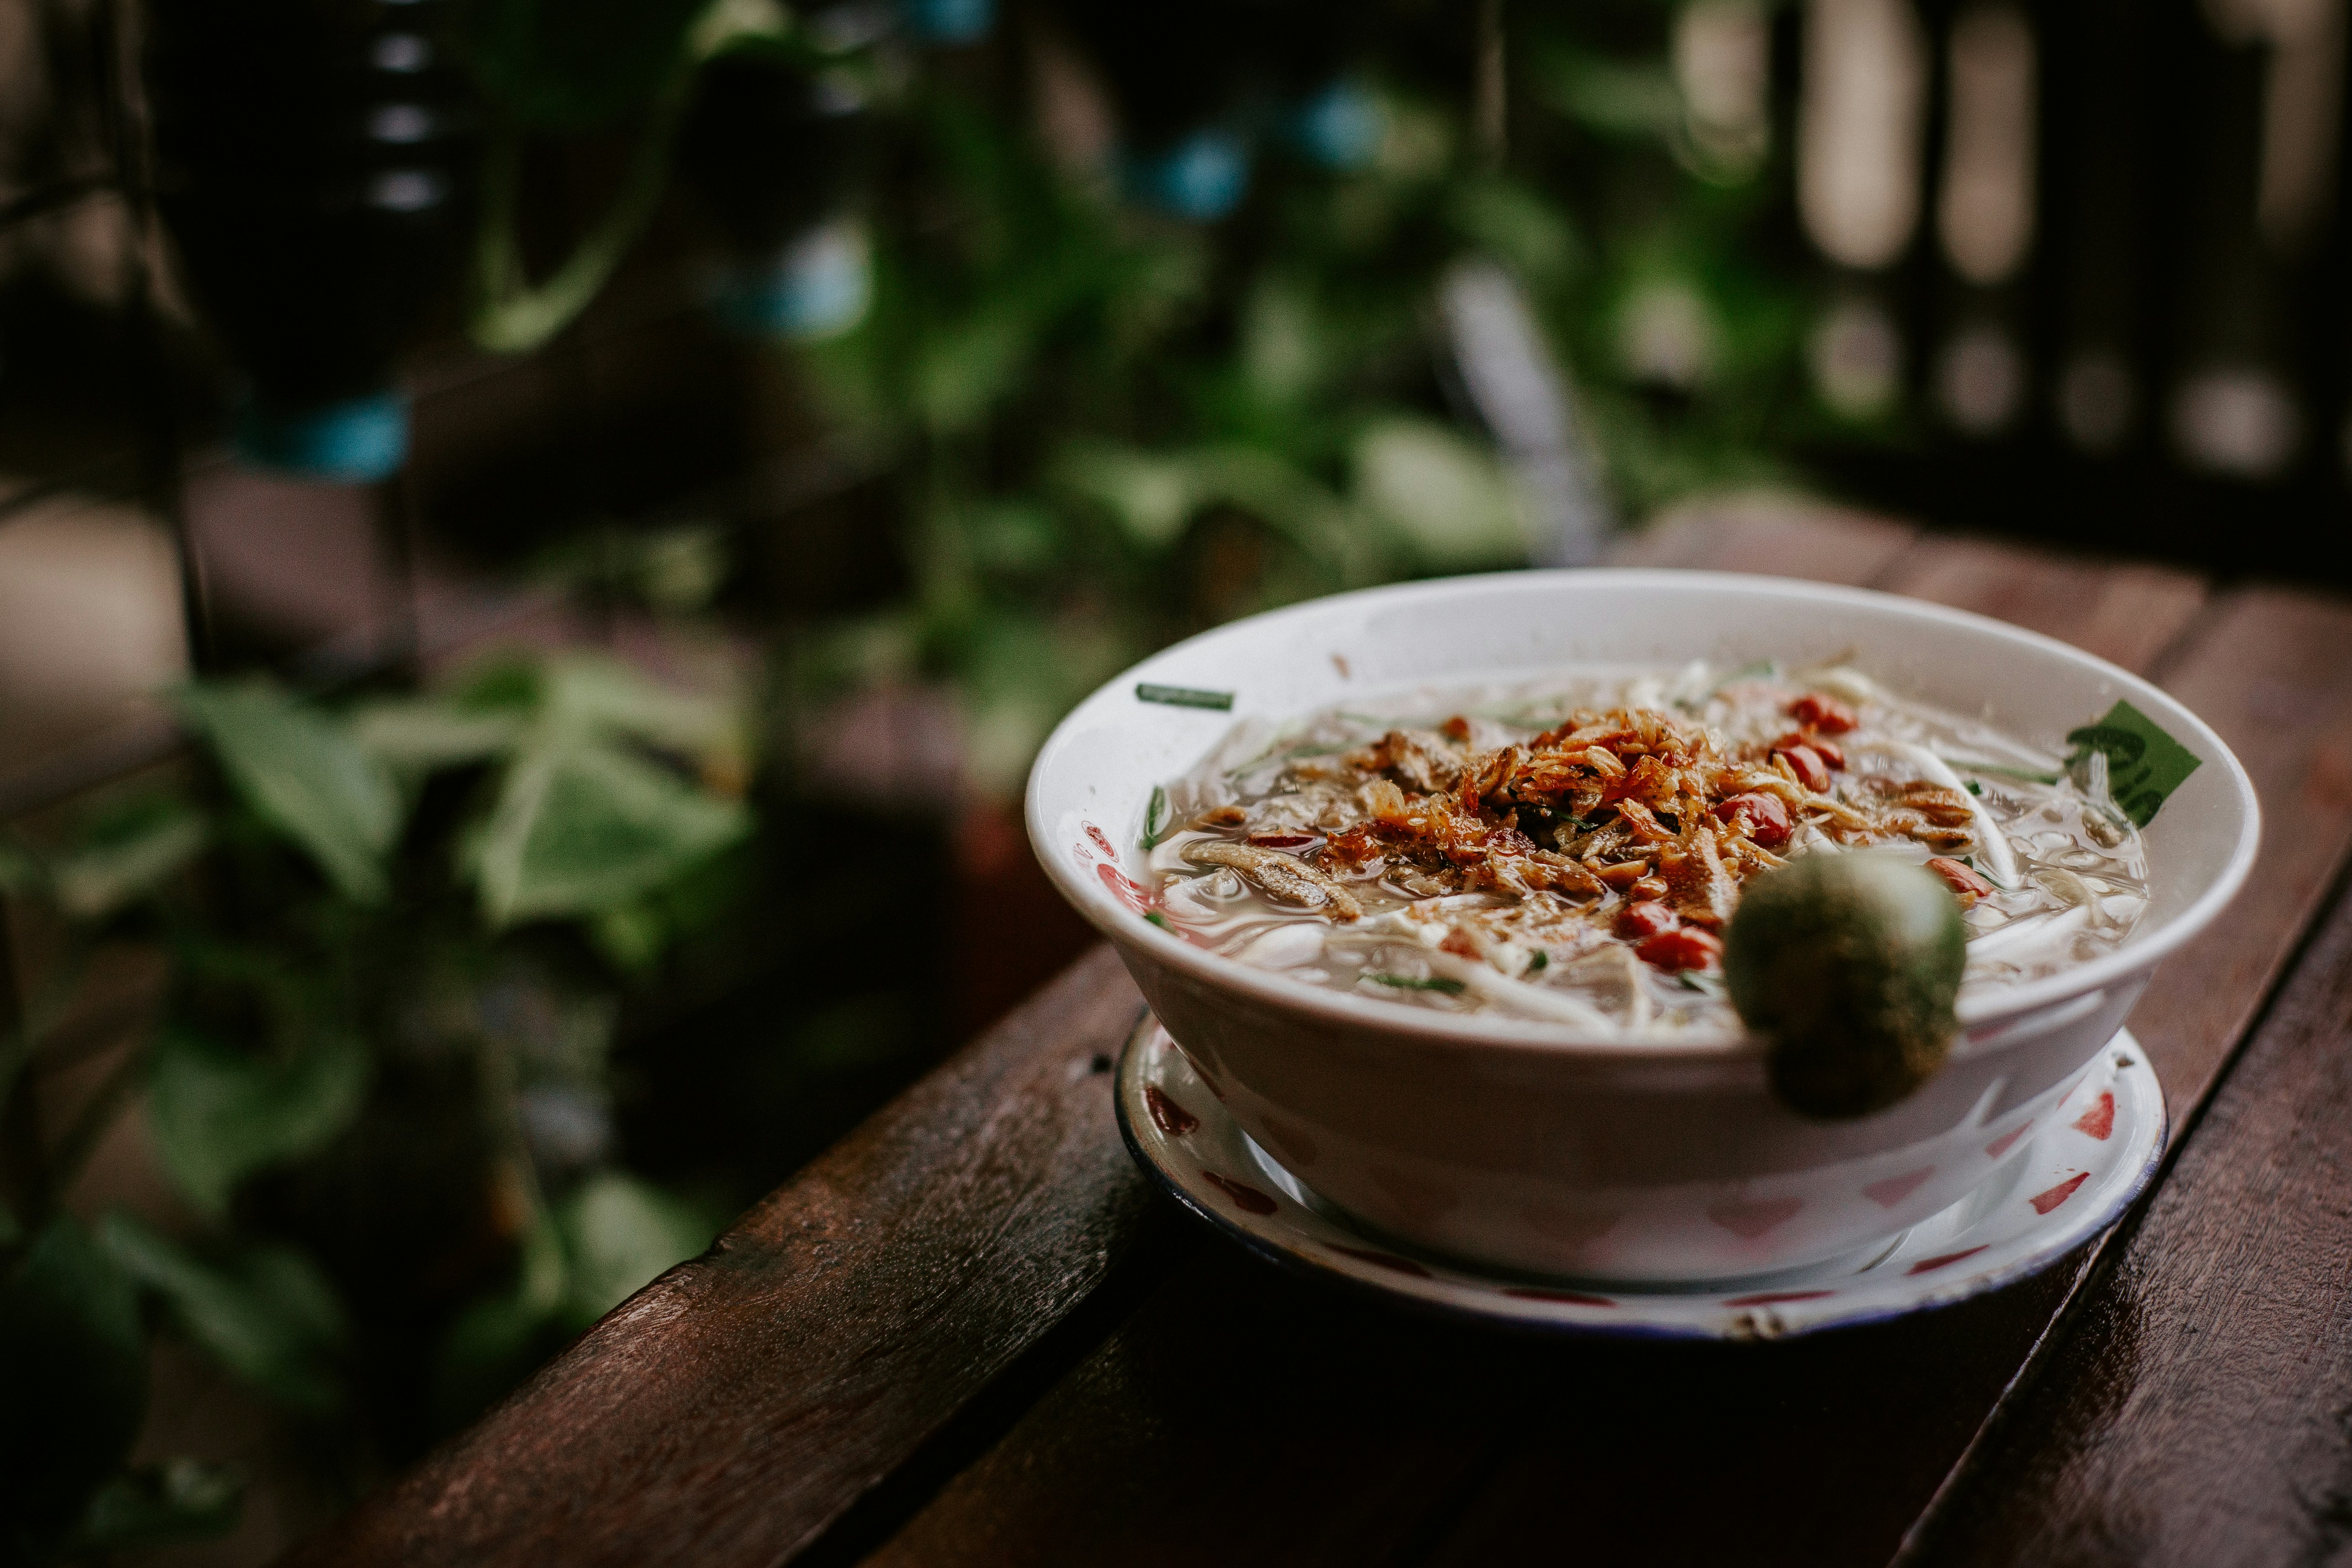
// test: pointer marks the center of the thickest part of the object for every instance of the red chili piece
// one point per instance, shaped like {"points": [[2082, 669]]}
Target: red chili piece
{"points": [[1812, 772], [1683, 949], [1637, 922], [1815, 712], [1275, 838], [1965, 883], [1766, 817]]}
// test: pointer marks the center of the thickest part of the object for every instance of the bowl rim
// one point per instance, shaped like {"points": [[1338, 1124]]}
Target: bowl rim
{"points": [[2133, 956]]}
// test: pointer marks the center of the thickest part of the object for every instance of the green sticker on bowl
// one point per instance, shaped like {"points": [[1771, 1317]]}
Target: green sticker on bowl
{"points": [[2144, 764], [1185, 697]]}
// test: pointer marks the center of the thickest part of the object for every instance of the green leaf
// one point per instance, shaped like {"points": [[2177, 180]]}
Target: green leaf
{"points": [[603, 696], [157, 1504], [2144, 765], [266, 1315], [420, 734], [618, 1234], [128, 860], [1149, 497], [582, 829], [73, 1382], [1448, 498], [219, 1114], [1155, 816], [1415, 982], [305, 775]]}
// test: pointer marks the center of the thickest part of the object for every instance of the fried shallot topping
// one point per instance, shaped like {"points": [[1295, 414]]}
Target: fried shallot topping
{"points": [[1626, 819]]}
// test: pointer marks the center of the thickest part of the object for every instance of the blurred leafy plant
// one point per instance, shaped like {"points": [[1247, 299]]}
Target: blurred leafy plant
{"points": [[1117, 428], [457, 884]]}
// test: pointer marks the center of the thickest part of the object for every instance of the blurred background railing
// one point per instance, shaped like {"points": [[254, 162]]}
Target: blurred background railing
{"points": [[537, 542]]}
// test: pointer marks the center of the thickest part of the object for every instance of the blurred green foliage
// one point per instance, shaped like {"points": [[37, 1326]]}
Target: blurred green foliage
{"points": [[350, 896]]}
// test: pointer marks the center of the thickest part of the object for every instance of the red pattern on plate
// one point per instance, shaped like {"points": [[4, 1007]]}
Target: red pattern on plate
{"points": [[1999, 1145], [1774, 1297], [1573, 1297], [1385, 1260], [1925, 1264], [2044, 1201], [2099, 1121], [1762, 1217], [1125, 889], [1172, 1118], [1245, 1197], [1894, 1189], [1101, 842]]}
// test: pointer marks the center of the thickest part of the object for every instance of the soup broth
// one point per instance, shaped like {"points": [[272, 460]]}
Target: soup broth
{"points": [[1572, 851]]}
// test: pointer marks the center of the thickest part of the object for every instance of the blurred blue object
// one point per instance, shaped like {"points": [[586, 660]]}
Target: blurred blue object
{"points": [[356, 441], [1338, 127], [949, 21], [1200, 178], [818, 287]]}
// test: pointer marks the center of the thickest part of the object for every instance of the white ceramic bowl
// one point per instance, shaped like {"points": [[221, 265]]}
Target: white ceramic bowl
{"points": [[1524, 1145]]}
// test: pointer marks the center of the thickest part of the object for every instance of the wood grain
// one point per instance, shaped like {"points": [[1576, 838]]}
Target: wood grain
{"points": [[733, 1409], [2195, 1411], [2123, 611], [1778, 536], [1247, 1417], [2271, 669]]}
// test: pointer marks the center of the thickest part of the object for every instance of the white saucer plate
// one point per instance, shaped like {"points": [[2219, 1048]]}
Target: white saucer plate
{"points": [[2083, 1166]]}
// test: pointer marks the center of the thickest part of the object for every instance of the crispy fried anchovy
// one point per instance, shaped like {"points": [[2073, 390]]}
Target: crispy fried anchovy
{"points": [[1282, 878]]}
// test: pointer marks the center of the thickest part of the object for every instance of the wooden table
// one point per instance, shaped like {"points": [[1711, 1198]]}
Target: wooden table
{"points": [[970, 1333]]}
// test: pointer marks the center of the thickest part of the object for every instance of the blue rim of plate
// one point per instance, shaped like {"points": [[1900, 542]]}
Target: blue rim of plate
{"points": [[1303, 1235]]}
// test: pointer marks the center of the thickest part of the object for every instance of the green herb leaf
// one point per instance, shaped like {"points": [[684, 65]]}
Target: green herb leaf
{"points": [[304, 774], [2144, 765], [1156, 917], [1155, 816], [1972, 787], [1184, 697], [1704, 985], [268, 1315], [219, 1114], [1538, 963], [1414, 982]]}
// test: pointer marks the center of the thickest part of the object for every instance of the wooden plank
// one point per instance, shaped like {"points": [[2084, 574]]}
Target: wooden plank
{"points": [[1776, 535], [1250, 1418], [735, 1407], [2124, 611], [2193, 1412], [1200, 1431], [2271, 670]]}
